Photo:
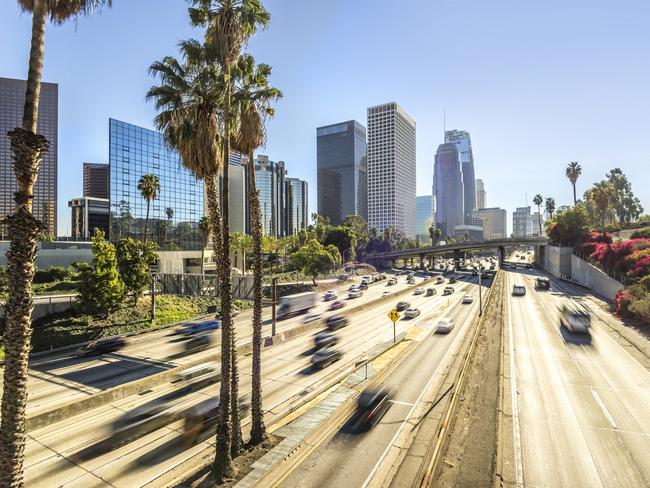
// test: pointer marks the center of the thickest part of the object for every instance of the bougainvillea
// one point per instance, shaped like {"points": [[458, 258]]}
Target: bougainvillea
{"points": [[622, 302]]}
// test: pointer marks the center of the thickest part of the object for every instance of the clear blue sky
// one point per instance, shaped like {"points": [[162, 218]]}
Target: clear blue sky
{"points": [[536, 83]]}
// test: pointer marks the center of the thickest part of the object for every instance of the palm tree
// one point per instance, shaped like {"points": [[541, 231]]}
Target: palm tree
{"points": [[550, 206], [204, 231], [538, 200], [600, 194], [252, 104], [434, 234], [573, 172], [28, 148], [230, 23], [148, 185]]}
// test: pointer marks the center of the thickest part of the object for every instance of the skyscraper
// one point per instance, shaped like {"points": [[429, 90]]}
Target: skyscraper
{"points": [[464, 145], [481, 195], [448, 189], [391, 169], [270, 182], [95, 180], [12, 101], [297, 208], [522, 222], [423, 215], [493, 221], [342, 171]]}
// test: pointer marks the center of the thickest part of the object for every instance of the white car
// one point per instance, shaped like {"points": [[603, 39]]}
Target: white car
{"points": [[411, 313], [468, 299], [445, 326], [330, 295], [355, 294], [418, 291], [353, 288]]}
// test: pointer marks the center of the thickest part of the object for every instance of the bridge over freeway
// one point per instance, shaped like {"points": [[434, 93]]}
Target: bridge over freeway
{"points": [[388, 259]]}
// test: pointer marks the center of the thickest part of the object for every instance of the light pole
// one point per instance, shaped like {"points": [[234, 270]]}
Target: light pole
{"points": [[480, 294]]}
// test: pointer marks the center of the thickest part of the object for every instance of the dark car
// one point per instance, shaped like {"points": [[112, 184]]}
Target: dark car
{"points": [[205, 326], [363, 285], [402, 306], [198, 343], [337, 304], [324, 357], [201, 419], [325, 339], [103, 346], [371, 407], [336, 322], [452, 280]]}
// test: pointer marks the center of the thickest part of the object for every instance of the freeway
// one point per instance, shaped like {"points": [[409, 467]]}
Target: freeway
{"points": [[82, 451], [581, 407], [360, 459], [60, 378]]}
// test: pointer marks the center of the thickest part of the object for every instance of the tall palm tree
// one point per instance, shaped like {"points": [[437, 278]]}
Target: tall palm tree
{"points": [[252, 105], [204, 232], [573, 172], [600, 194], [230, 23], [538, 200], [550, 206], [27, 148], [148, 185]]}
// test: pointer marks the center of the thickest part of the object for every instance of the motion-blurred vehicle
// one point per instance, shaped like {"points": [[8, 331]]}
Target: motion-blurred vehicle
{"points": [[205, 326], [353, 288], [142, 420], [198, 371], [542, 283], [363, 285], [201, 420], [324, 357], [411, 313], [402, 306], [337, 304], [355, 294], [448, 290], [410, 280], [311, 317], [452, 280], [518, 290], [198, 343], [391, 282], [445, 326], [330, 295], [325, 339], [336, 322], [431, 292], [440, 280], [575, 318], [344, 277], [372, 405], [102, 346], [296, 304], [418, 291], [468, 299]]}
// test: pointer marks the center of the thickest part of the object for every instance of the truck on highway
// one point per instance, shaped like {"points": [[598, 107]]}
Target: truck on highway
{"points": [[291, 305]]}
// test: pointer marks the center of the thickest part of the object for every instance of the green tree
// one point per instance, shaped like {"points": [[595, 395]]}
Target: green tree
{"points": [[434, 233], [148, 185], [27, 150], [314, 259], [568, 226], [550, 206], [573, 172], [204, 232], [538, 200], [133, 262], [626, 206], [600, 195], [101, 291], [344, 239]]}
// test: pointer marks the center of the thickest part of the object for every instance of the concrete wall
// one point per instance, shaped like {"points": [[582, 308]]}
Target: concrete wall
{"points": [[594, 278], [556, 260], [174, 261], [45, 306], [46, 258]]}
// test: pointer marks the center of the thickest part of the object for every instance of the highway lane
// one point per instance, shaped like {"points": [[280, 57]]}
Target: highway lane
{"points": [[352, 459], [55, 453], [58, 380], [583, 402]]}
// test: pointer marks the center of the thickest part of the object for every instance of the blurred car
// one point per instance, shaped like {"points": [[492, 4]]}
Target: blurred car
{"points": [[418, 291], [468, 299], [431, 292], [336, 322], [197, 376], [201, 420], [353, 288], [355, 294], [372, 405], [411, 313], [575, 318], [205, 326], [440, 280], [198, 343], [324, 357], [103, 346], [386, 292], [391, 282], [445, 326], [363, 285], [344, 277], [330, 295], [518, 290], [452, 279], [448, 290], [142, 420], [311, 317], [336, 305], [325, 339], [402, 306]]}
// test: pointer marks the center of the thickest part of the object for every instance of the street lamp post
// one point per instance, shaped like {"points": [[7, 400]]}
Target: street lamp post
{"points": [[480, 294]]}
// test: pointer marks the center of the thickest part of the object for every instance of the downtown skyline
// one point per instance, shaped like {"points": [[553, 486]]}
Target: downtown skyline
{"points": [[558, 125]]}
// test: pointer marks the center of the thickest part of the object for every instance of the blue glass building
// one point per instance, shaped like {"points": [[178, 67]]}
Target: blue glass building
{"points": [[175, 213]]}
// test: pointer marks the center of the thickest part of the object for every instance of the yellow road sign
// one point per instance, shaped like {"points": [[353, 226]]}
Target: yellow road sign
{"points": [[394, 315]]}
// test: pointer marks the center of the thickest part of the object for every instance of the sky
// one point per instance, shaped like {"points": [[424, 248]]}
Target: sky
{"points": [[537, 84]]}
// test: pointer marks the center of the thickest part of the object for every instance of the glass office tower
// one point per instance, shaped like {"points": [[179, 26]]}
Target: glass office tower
{"points": [[175, 213], [464, 145], [297, 206], [448, 189], [270, 181]]}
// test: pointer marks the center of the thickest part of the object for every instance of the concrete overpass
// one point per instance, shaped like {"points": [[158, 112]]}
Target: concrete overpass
{"points": [[388, 259]]}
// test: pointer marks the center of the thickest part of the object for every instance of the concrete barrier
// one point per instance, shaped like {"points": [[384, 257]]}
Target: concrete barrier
{"points": [[596, 279]]}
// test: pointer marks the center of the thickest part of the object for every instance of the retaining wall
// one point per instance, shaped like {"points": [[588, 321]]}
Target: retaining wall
{"points": [[594, 278]]}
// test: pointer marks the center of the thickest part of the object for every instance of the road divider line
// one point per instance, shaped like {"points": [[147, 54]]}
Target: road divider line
{"points": [[603, 408], [516, 429]]}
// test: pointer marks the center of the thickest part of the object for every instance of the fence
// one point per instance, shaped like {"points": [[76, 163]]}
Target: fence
{"points": [[198, 285]]}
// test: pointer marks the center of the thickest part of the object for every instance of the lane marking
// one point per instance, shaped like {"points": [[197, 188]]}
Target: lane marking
{"points": [[516, 432], [397, 402], [603, 408]]}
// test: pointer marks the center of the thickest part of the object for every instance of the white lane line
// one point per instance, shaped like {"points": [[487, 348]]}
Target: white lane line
{"points": [[516, 432], [603, 408], [397, 402]]}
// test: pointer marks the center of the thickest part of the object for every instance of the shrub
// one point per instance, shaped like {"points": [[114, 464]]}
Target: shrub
{"points": [[622, 302], [4, 284], [133, 261], [55, 273], [641, 233], [641, 308]]}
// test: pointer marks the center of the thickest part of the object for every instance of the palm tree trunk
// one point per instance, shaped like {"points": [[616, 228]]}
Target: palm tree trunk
{"points": [[539, 218], [27, 149], [258, 429], [575, 199], [146, 223]]}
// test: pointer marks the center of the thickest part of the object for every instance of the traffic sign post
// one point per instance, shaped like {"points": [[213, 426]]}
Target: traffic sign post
{"points": [[393, 315]]}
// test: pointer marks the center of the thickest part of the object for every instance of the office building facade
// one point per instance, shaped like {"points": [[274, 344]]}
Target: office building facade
{"points": [[88, 214], [297, 207], [342, 172], [423, 216], [391, 169], [448, 189], [494, 221], [481, 195], [270, 181], [464, 145], [522, 222], [12, 101], [175, 213], [96, 178], [538, 223]]}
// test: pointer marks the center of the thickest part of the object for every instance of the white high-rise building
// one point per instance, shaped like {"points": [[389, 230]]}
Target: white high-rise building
{"points": [[522, 222], [493, 220], [481, 194], [391, 169]]}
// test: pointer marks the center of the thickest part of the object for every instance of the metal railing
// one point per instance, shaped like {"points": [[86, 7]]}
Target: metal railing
{"points": [[200, 285]]}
